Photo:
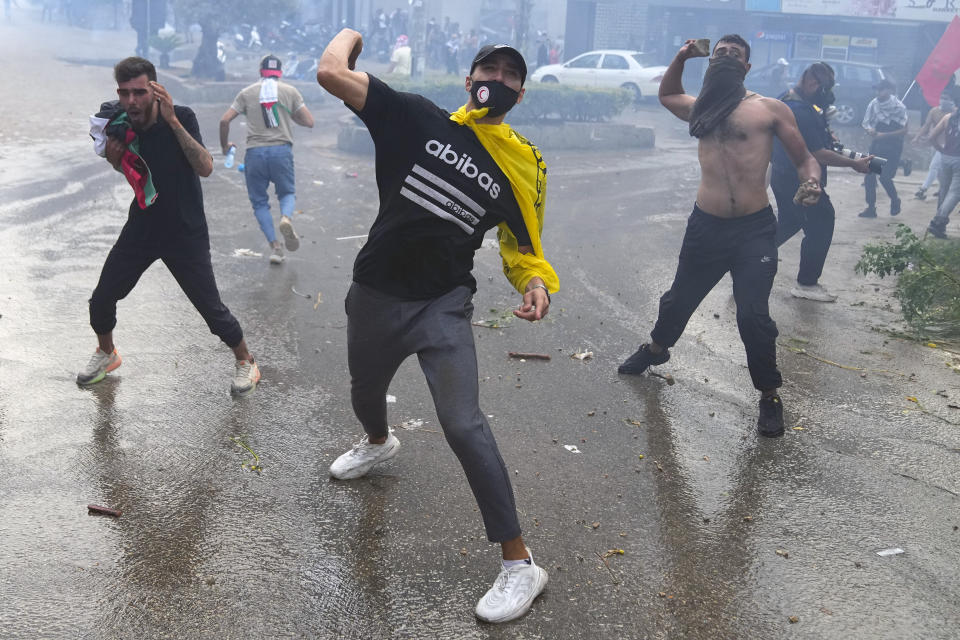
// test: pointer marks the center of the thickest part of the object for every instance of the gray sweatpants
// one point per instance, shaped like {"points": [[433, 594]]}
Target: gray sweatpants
{"points": [[381, 332]]}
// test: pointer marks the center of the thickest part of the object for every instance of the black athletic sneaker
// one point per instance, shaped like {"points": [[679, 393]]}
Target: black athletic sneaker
{"points": [[869, 212], [643, 358], [895, 207], [937, 231], [770, 422]]}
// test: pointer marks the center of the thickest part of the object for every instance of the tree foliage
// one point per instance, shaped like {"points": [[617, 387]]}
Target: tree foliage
{"points": [[928, 279]]}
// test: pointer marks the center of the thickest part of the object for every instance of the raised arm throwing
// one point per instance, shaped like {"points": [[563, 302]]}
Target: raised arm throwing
{"points": [[335, 70], [671, 86]]}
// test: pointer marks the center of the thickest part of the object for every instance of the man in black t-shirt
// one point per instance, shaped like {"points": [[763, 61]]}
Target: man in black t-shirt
{"points": [[172, 227], [813, 94], [444, 180]]}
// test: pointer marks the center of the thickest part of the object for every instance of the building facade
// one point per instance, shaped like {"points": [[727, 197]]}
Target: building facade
{"points": [[895, 34]]}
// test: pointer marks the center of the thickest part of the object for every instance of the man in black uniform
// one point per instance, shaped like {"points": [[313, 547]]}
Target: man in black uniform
{"points": [[444, 180], [169, 226], [808, 100]]}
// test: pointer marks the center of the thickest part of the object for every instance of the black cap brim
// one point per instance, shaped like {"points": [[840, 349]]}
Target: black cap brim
{"points": [[488, 50]]}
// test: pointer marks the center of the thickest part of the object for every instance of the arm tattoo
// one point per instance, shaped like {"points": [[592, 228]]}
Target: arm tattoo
{"points": [[197, 155]]}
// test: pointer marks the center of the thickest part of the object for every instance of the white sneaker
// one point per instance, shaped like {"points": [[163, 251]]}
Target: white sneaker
{"points": [[512, 594], [290, 239], [812, 292], [99, 366], [276, 254], [245, 378], [363, 457]]}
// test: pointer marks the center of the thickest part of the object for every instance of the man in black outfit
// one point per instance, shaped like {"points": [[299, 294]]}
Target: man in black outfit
{"points": [[172, 227], [444, 180], [808, 101], [732, 227]]}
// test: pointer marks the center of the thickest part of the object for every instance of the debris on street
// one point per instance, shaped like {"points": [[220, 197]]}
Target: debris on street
{"points": [[664, 376], [603, 558], [107, 511], [415, 424], [246, 464], [488, 324], [528, 356]]}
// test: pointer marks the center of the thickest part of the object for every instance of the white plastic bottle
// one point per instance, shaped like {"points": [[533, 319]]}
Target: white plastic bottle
{"points": [[228, 161]]}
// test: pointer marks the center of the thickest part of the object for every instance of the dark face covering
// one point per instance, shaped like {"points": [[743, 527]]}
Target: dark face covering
{"points": [[823, 98], [497, 96], [721, 93]]}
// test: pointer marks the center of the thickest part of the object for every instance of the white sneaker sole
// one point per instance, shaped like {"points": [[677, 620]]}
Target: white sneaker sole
{"points": [[237, 392], [797, 293], [521, 611], [86, 381], [290, 239], [359, 471]]}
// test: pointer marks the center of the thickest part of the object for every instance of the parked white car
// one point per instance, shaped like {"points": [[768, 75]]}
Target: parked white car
{"points": [[608, 68]]}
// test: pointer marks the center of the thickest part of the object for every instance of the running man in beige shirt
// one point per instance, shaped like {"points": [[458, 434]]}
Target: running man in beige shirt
{"points": [[269, 105]]}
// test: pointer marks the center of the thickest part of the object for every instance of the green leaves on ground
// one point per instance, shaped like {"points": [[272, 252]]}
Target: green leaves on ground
{"points": [[928, 279]]}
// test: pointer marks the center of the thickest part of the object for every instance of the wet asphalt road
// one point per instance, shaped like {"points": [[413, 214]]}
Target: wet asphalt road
{"points": [[723, 535]]}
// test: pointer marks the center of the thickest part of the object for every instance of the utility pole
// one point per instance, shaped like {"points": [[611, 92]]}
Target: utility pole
{"points": [[418, 37], [522, 25]]}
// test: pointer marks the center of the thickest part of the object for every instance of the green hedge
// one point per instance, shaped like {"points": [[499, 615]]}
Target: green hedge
{"points": [[540, 102]]}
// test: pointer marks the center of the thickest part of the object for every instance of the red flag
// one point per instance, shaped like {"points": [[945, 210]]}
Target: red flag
{"points": [[943, 61]]}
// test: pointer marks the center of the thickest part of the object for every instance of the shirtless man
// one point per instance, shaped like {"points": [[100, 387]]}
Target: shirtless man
{"points": [[732, 227]]}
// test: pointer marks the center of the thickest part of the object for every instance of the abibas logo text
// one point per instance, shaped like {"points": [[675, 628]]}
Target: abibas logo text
{"points": [[464, 164]]}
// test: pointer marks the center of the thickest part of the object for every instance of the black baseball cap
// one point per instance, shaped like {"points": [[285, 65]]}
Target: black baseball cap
{"points": [[270, 66], [488, 50], [885, 84]]}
